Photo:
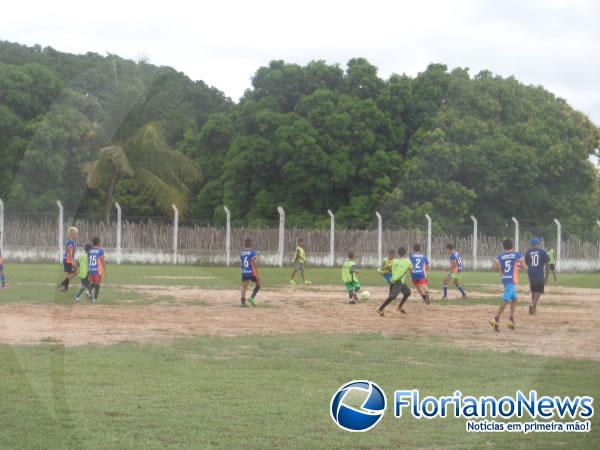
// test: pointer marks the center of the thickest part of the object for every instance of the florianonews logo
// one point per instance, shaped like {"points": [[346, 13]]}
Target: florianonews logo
{"points": [[358, 405]]}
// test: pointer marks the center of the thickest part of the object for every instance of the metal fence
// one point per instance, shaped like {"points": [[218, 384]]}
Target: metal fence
{"points": [[36, 238]]}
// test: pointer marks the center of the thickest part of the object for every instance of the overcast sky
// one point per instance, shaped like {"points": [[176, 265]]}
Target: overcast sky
{"points": [[547, 42]]}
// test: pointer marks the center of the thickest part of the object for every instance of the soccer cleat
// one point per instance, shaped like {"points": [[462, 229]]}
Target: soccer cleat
{"points": [[444, 298], [252, 302], [89, 294], [464, 296], [352, 301], [292, 282], [401, 309], [77, 299], [243, 303], [308, 283], [494, 325], [427, 299], [511, 324], [531, 310], [380, 312]]}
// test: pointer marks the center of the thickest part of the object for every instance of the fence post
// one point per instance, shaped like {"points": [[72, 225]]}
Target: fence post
{"points": [[227, 236], [597, 222], [379, 237], [558, 244], [175, 233], [332, 239], [474, 219], [281, 236], [428, 237], [516, 222], [118, 232], [61, 225], [1, 226]]}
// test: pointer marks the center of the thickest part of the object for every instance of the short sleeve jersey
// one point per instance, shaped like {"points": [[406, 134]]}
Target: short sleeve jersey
{"points": [[94, 261], [508, 265], [69, 256], [536, 259], [246, 258], [419, 261], [400, 269], [455, 256]]}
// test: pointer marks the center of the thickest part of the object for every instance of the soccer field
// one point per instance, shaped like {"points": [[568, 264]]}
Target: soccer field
{"points": [[169, 359]]}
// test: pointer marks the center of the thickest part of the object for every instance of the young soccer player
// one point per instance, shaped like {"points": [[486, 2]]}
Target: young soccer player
{"points": [[455, 274], [82, 271], [536, 259], [551, 267], [401, 267], [350, 279], [508, 264], [249, 272], [2, 277], [299, 259], [69, 258], [386, 267], [96, 268], [420, 267]]}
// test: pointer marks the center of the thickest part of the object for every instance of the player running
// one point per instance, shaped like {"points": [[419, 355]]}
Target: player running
{"points": [[2, 277], [69, 258], [299, 260], [350, 279], [455, 274], [386, 267], [551, 266], [96, 268], [249, 272], [508, 264], [82, 271], [401, 267], [420, 268], [536, 259]]}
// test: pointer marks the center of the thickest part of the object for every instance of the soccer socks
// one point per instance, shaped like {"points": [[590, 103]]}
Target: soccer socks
{"points": [[445, 290], [80, 291], [462, 291], [3, 280]]}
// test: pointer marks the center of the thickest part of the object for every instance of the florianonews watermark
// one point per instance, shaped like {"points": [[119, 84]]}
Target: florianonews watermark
{"points": [[547, 413]]}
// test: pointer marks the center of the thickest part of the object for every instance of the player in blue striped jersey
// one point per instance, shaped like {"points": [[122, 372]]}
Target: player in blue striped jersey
{"points": [[420, 265], [249, 272]]}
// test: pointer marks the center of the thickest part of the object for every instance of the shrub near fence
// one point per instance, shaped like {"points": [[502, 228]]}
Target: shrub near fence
{"points": [[35, 238]]}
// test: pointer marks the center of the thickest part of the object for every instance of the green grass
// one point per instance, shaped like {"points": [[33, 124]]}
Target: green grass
{"points": [[35, 283], [255, 392], [263, 392]]}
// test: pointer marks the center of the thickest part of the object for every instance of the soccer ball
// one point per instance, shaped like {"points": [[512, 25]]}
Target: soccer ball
{"points": [[364, 295]]}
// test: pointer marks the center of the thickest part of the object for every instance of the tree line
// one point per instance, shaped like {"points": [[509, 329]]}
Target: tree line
{"points": [[92, 129]]}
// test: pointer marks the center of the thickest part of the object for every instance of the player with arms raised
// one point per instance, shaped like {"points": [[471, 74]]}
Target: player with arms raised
{"points": [[455, 274], [249, 272], [508, 264]]}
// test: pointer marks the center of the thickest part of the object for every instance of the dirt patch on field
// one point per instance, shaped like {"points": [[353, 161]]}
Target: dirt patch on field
{"points": [[567, 323]]}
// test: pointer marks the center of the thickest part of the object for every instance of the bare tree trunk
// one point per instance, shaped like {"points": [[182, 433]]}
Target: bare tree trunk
{"points": [[110, 190]]}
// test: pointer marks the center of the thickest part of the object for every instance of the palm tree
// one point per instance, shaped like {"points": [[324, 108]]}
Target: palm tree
{"points": [[144, 155]]}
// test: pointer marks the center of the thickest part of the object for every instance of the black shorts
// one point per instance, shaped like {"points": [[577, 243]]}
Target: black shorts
{"points": [[397, 288], [537, 287], [551, 267], [68, 267], [249, 278]]}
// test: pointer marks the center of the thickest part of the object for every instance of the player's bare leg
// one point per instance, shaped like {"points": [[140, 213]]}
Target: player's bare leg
{"points": [[244, 290], [254, 292], [511, 319], [496, 320]]}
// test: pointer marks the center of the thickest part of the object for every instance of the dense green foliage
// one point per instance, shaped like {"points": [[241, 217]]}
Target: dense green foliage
{"points": [[308, 138]]}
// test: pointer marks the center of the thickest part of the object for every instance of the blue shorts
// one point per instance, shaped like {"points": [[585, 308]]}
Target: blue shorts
{"points": [[388, 278], [248, 277], [1, 267], [510, 292]]}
